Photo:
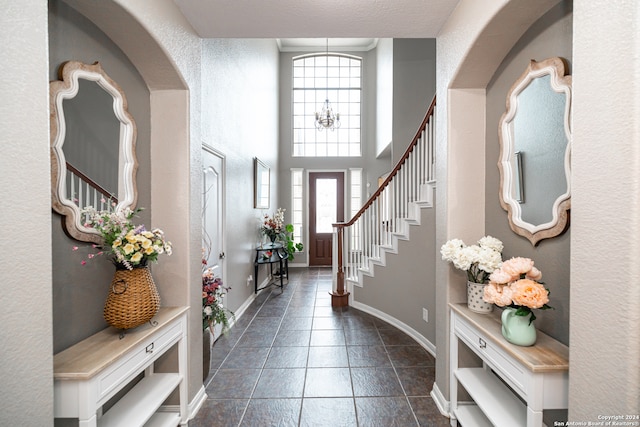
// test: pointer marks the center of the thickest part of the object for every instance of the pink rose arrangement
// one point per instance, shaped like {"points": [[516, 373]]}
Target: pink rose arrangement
{"points": [[213, 310], [516, 284]]}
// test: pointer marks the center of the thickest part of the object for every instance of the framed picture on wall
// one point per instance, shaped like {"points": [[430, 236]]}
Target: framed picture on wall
{"points": [[261, 181]]}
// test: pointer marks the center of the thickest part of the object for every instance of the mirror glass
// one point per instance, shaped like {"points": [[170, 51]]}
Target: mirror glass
{"points": [[535, 138], [92, 146], [261, 184]]}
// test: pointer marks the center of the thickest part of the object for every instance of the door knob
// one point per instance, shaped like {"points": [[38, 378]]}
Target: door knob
{"points": [[222, 255]]}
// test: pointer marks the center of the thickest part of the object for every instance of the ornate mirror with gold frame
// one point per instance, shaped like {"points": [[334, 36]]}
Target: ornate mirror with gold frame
{"points": [[535, 151], [93, 136]]}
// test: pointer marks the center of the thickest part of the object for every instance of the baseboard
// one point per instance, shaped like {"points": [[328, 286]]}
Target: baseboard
{"points": [[192, 408], [298, 264], [240, 311], [440, 401], [420, 339], [197, 402]]}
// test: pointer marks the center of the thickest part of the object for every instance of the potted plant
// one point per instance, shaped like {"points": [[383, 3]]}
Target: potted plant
{"points": [[213, 310], [275, 229], [131, 245], [290, 246], [133, 298], [214, 313], [516, 285], [478, 261]]}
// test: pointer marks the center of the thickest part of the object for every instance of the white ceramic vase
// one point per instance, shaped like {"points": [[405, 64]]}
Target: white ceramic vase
{"points": [[475, 292]]}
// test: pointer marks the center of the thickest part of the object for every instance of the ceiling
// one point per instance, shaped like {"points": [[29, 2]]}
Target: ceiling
{"points": [[294, 19]]}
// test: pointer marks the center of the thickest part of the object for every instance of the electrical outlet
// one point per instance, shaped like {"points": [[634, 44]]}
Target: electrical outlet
{"points": [[249, 280], [425, 315]]}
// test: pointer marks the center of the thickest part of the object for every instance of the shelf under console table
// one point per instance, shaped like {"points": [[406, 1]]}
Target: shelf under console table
{"points": [[515, 384], [90, 373]]}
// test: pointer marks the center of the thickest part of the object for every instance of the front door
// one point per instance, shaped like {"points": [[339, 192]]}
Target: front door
{"points": [[326, 207]]}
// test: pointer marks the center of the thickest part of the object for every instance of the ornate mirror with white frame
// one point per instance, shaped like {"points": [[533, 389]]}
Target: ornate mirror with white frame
{"points": [[93, 136], [535, 151]]}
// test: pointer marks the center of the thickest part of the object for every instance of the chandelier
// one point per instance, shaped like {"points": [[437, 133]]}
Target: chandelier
{"points": [[326, 118]]}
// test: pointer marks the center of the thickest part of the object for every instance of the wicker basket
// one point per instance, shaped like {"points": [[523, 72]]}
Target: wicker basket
{"points": [[133, 298]]}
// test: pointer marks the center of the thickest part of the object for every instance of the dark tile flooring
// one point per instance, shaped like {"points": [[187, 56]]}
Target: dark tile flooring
{"points": [[293, 360]]}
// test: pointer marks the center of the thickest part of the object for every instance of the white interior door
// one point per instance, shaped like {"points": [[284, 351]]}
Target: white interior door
{"points": [[213, 208]]}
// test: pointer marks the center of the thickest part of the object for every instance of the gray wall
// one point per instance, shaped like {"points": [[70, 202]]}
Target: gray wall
{"points": [[410, 275], [372, 168], [406, 284], [413, 89], [79, 291], [244, 74], [550, 36], [414, 86]]}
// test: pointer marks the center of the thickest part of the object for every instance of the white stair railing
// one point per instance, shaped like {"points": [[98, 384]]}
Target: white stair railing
{"points": [[86, 192], [361, 241]]}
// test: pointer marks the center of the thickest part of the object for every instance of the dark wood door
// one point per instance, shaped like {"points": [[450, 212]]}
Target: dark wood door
{"points": [[326, 207]]}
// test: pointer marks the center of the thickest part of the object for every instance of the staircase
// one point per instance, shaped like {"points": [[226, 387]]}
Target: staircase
{"points": [[361, 243]]}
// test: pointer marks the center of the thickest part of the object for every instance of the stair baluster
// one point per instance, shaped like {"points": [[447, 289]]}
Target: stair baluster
{"points": [[362, 241]]}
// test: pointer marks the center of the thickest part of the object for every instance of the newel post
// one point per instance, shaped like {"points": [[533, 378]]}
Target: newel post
{"points": [[339, 298]]}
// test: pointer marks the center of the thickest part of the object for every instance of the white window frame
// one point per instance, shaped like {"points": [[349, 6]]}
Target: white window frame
{"points": [[297, 210], [314, 81]]}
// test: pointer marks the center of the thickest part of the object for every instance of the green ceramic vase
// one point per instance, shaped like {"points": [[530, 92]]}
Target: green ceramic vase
{"points": [[518, 330]]}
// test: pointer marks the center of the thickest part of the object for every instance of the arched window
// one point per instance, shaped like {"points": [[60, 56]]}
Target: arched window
{"points": [[318, 77]]}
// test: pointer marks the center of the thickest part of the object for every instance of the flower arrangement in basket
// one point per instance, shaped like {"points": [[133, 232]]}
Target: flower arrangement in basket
{"points": [[478, 261], [133, 298], [213, 310], [131, 246], [516, 284]]}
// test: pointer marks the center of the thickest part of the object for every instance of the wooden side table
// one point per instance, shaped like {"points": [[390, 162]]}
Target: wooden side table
{"points": [[90, 373], [515, 383]]}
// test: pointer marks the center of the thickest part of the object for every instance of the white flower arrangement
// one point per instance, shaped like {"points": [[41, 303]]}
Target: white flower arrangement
{"points": [[479, 261], [131, 246]]}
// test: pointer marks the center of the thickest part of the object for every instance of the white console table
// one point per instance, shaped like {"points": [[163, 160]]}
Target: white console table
{"points": [[515, 383], [90, 373]]}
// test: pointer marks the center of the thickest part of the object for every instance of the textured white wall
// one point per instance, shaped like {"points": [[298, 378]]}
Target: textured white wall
{"points": [[240, 119], [26, 358], [605, 314]]}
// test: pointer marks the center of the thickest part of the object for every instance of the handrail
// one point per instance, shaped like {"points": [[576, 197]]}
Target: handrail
{"points": [[395, 170], [91, 183], [366, 243]]}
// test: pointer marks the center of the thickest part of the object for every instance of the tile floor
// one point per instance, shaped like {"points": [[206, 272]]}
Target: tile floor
{"points": [[293, 360]]}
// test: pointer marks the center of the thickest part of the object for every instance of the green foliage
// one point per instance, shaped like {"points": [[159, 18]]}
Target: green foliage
{"points": [[289, 245]]}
